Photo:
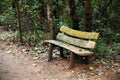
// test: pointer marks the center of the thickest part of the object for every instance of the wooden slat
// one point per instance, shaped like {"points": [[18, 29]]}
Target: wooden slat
{"points": [[79, 34], [74, 49], [75, 41]]}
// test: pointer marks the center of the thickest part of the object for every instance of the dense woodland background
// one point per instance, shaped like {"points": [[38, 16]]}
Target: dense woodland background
{"points": [[31, 21]]}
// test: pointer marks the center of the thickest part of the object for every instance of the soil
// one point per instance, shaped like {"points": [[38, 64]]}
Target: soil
{"points": [[17, 63]]}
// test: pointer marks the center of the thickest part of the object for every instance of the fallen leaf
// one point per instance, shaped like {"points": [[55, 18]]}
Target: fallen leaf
{"points": [[8, 52], [11, 46], [38, 52], [34, 65], [116, 64], [26, 52], [23, 50], [35, 58], [92, 73], [103, 62], [91, 68], [72, 71], [36, 48]]}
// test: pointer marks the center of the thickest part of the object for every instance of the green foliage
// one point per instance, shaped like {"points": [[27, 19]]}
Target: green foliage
{"points": [[108, 47], [16, 34], [105, 19], [8, 17]]}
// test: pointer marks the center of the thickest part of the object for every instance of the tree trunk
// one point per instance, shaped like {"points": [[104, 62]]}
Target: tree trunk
{"points": [[42, 11], [75, 20], [51, 26], [88, 15], [50, 21], [16, 2], [42, 16]]}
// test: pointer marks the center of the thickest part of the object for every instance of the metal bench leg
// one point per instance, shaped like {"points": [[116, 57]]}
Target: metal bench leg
{"points": [[72, 60], [50, 52]]}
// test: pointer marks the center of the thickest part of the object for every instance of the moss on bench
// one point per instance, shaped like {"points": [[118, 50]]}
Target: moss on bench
{"points": [[79, 34]]}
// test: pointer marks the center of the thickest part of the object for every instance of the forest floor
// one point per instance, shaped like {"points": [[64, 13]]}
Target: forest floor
{"points": [[19, 63]]}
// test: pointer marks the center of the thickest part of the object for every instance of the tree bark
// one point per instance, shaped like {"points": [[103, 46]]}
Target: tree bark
{"points": [[88, 15], [16, 2], [72, 60], [75, 20], [51, 26], [42, 11], [50, 21]]}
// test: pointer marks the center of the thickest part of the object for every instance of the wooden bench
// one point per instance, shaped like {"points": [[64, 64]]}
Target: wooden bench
{"points": [[77, 42]]}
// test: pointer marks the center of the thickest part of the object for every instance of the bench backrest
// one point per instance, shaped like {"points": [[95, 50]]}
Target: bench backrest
{"points": [[76, 37], [79, 34]]}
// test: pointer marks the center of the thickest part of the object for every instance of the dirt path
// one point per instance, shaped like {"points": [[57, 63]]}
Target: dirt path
{"points": [[21, 66]]}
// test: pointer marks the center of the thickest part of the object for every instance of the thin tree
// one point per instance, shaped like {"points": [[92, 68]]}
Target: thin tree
{"points": [[73, 15], [16, 3], [88, 15], [51, 25], [42, 10]]}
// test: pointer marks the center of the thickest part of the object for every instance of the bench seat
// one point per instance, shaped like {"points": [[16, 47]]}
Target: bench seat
{"points": [[77, 50]]}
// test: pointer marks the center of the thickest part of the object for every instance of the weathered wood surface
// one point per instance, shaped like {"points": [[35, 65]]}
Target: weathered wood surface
{"points": [[50, 53], [75, 41], [74, 49], [72, 60], [79, 34]]}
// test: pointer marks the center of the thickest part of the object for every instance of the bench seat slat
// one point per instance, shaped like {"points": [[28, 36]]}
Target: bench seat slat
{"points": [[74, 49]]}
